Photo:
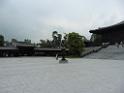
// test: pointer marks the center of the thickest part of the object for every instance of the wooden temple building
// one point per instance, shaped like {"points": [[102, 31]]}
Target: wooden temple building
{"points": [[20, 49], [111, 34]]}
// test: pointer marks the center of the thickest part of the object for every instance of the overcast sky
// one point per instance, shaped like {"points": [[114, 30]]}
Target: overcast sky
{"points": [[36, 19]]}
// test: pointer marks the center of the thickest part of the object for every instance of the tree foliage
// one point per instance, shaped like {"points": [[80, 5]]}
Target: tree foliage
{"points": [[27, 41], [14, 40], [1, 40], [45, 44], [75, 43], [56, 39]]}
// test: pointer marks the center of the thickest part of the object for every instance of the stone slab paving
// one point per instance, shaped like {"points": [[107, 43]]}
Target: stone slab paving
{"points": [[46, 75], [111, 52], [90, 50]]}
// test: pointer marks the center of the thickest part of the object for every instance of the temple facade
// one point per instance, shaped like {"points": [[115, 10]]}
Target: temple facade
{"points": [[111, 34]]}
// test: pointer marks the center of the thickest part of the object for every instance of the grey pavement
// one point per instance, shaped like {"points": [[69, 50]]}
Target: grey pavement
{"points": [[46, 75], [111, 52]]}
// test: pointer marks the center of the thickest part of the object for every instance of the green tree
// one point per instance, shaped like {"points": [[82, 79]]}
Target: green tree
{"points": [[1, 40], [75, 43], [56, 39], [59, 40], [54, 36], [14, 40], [45, 44], [27, 41]]}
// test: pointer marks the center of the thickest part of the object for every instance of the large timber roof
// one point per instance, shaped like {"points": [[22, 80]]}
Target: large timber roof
{"points": [[108, 29]]}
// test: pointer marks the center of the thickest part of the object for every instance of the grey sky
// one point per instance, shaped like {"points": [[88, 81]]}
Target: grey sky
{"points": [[36, 19]]}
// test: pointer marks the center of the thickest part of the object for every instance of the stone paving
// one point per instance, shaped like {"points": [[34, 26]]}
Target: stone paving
{"points": [[46, 75], [111, 52]]}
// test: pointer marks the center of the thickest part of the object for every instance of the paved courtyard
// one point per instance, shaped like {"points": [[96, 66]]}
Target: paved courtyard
{"points": [[46, 75], [111, 52]]}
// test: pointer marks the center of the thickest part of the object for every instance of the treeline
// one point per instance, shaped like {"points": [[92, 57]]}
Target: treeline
{"points": [[1, 40], [72, 41]]}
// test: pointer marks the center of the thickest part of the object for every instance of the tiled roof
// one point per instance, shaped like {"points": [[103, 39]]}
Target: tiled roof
{"points": [[8, 48], [118, 25]]}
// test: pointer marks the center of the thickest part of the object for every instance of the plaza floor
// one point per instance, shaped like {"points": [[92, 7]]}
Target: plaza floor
{"points": [[46, 75], [111, 52]]}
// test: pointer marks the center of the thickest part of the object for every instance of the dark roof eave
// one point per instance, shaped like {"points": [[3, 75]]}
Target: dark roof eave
{"points": [[49, 49], [8, 48], [106, 29]]}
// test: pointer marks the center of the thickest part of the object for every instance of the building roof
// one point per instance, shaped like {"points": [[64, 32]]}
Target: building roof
{"points": [[49, 49], [23, 45], [8, 48], [107, 29]]}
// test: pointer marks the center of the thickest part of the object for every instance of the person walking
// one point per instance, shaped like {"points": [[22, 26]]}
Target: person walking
{"points": [[56, 56], [117, 44], [123, 43]]}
